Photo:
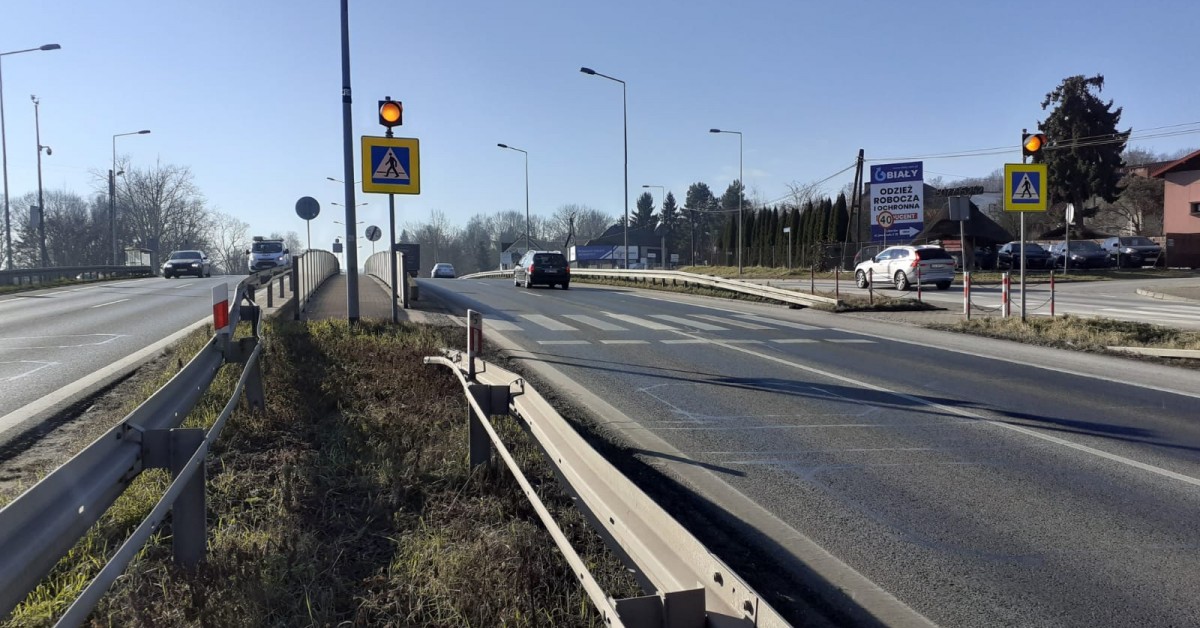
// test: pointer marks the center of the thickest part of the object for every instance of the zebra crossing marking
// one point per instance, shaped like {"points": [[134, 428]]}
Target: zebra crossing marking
{"points": [[688, 322], [594, 322], [548, 323], [730, 321], [633, 320]]}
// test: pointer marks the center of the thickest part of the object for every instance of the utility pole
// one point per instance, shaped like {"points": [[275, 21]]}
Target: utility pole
{"points": [[37, 125]]}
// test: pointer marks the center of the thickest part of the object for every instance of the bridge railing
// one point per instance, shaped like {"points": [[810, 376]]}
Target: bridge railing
{"points": [[309, 270]]}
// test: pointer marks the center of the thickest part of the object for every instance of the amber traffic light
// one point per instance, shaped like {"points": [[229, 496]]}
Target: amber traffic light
{"points": [[391, 112], [1032, 144]]}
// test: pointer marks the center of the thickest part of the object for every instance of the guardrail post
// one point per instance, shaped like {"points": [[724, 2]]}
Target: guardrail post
{"points": [[493, 400], [240, 353], [171, 449], [281, 286]]}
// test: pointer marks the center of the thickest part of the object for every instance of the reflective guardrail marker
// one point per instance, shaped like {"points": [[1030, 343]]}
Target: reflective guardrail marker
{"points": [[220, 294], [474, 340]]}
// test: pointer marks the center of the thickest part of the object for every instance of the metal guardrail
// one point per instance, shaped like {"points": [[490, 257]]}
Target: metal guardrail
{"points": [[687, 584], [41, 526], [34, 276], [677, 277], [309, 270]]}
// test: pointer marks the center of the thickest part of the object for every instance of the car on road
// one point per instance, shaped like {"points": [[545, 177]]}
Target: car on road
{"points": [[1132, 251], [905, 266], [267, 253], [542, 267], [1009, 256], [1084, 254], [187, 263], [442, 270]]}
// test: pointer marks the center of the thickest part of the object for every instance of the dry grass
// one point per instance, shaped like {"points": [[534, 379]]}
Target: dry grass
{"points": [[350, 502], [1077, 333]]}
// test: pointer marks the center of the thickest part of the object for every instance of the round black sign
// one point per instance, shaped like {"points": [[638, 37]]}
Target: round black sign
{"points": [[307, 207], [373, 233]]}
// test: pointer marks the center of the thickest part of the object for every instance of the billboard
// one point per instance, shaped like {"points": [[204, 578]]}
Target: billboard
{"points": [[897, 201]]}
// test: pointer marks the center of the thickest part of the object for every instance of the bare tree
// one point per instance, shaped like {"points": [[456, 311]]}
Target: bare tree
{"points": [[161, 206], [229, 239]]}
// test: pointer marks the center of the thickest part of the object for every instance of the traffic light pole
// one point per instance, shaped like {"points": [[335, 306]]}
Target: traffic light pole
{"points": [[1023, 161], [392, 248], [348, 172]]}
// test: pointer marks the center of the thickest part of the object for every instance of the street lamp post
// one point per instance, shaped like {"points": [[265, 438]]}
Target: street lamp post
{"points": [[528, 241], [741, 189], [4, 153], [625, 119], [112, 191], [788, 231], [37, 126]]}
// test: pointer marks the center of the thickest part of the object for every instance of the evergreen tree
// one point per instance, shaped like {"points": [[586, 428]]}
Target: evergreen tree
{"points": [[1084, 152], [643, 215]]}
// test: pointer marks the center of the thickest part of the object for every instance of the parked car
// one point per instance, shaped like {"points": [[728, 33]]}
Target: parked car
{"points": [[544, 267], [1132, 251], [1009, 256], [442, 271], [187, 263], [903, 266], [1084, 254]]}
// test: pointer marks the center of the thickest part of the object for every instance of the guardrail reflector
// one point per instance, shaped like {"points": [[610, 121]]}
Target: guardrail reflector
{"points": [[220, 308]]}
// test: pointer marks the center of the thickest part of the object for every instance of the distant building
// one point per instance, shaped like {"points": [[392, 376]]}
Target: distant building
{"points": [[1181, 210]]}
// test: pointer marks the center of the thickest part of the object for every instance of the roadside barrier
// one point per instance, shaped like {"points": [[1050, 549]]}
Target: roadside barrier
{"points": [[35, 276], [676, 277], [44, 523], [686, 584]]}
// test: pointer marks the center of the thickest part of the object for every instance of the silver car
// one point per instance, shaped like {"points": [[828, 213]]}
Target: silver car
{"points": [[904, 266]]}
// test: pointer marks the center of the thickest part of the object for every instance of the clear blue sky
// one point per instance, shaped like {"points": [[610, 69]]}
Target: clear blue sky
{"points": [[247, 94]]}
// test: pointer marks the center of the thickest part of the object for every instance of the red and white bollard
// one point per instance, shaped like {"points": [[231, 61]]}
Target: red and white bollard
{"points": [[1005, 291], [1052, 293], [220, 309], [967, 294]]}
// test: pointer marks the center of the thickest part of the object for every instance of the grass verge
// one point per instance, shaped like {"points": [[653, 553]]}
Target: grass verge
{"points": [[1077, 333], [349, 502]]}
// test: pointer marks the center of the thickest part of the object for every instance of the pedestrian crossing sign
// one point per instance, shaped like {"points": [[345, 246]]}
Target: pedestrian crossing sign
{"points": [[391, 165], [1026, 188]]}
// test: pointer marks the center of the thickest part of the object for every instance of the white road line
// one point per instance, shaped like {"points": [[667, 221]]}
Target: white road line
{"points": [[548, 323], [772, 321], [563, 342], [793, 341], [743, 342], [182, 285], [633, 320], [1151, 314], [594, 322], [685, 341], [499, 325], [965, 413], [41, 366], [687, 322], [624, 342], [109, 303], [730, 321], [850, 341]]}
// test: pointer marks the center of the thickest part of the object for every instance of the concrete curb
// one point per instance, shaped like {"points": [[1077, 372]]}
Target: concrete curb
{"points": [[1164, 296]]}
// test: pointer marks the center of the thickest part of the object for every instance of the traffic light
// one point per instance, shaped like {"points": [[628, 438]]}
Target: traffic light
{"points": [[391, 112], [1032, 144]]}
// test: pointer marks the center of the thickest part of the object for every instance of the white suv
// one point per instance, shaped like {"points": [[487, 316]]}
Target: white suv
{"points": [[903, 266]]}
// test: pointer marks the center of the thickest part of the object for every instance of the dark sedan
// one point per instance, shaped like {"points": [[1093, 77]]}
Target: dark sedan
{"points": [[1009, 256], [1084, 254]]}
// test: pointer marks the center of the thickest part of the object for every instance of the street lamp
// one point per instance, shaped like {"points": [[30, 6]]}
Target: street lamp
{"points": [[112, 191], [741, 188], [37, 126], [4, 152], [625, 118], [340, 181], [528, 242]]}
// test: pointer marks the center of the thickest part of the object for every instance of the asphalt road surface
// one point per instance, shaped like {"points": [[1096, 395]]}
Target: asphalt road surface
{"points": [[51, 339], [980, 482]]}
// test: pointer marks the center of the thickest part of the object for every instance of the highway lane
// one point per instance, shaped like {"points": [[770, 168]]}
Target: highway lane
{"points": [[52, 338], [982, 483], [1116, 299]]}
